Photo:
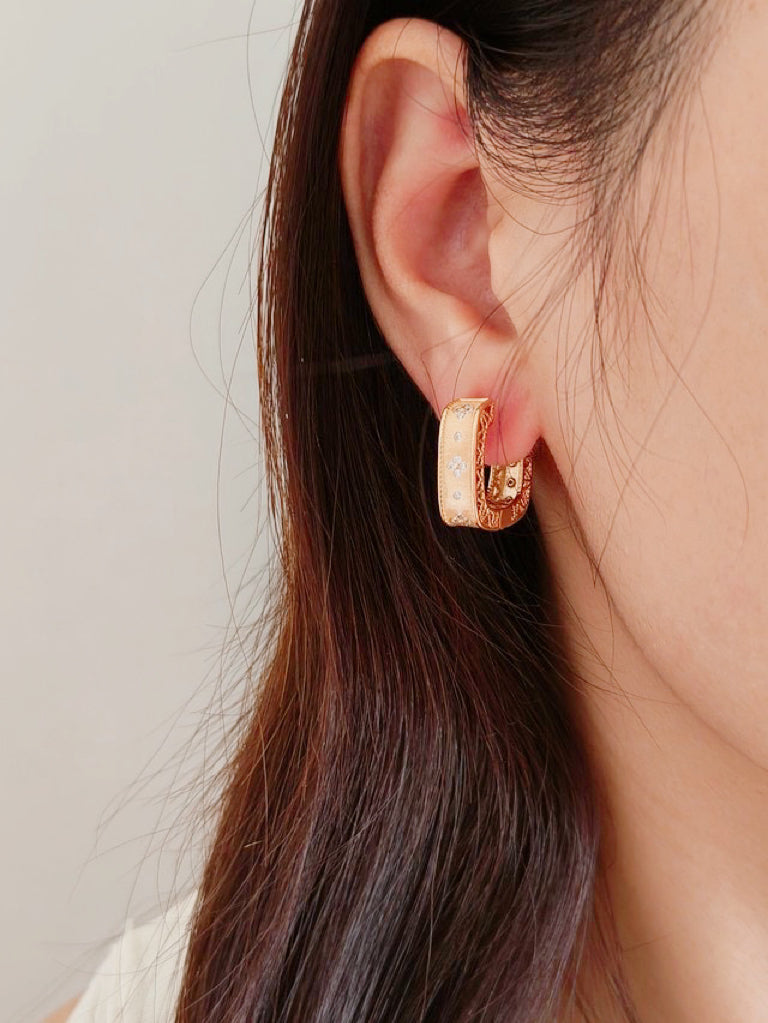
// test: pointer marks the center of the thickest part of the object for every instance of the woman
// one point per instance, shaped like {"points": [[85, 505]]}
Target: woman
{"points": [[515, 772]]}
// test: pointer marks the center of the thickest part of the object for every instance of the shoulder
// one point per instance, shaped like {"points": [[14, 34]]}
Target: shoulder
{"points": [[139, 975]]}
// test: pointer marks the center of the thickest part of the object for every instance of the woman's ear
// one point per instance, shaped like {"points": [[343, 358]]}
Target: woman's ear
{"points": [[422, 219]]}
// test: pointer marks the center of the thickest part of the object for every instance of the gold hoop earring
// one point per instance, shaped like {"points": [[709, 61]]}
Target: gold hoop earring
{"points": [[462, 494]]}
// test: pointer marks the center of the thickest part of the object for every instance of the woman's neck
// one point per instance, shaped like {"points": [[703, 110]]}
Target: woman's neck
{"points": [[686, 828]]}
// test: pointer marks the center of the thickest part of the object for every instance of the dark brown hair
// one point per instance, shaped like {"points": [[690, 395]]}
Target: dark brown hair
{"points": [[409, 830]]}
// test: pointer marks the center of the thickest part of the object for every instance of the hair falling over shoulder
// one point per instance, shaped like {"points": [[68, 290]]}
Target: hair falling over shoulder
{"points": [[408, 829]]}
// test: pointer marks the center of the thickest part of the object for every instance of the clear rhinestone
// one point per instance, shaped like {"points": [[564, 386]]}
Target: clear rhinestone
{"points": [[457, 465], [462, 411], [459, 517], [457, 495], [457, 435]]}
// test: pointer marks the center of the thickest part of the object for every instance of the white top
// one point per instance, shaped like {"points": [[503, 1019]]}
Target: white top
{"points": [[139, 977]]}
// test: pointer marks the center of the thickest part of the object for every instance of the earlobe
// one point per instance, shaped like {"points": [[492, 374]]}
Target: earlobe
{"points": [[421, 217]]}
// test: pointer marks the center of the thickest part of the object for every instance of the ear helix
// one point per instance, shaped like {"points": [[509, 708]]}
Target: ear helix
{"points": [[462, 494]]}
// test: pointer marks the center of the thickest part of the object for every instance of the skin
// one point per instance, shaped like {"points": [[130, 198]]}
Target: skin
{"points": [[64, 1012], [654, 472]]}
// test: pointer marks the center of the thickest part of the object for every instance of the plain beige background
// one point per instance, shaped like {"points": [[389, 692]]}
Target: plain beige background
{"points": [[132, 152]]}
